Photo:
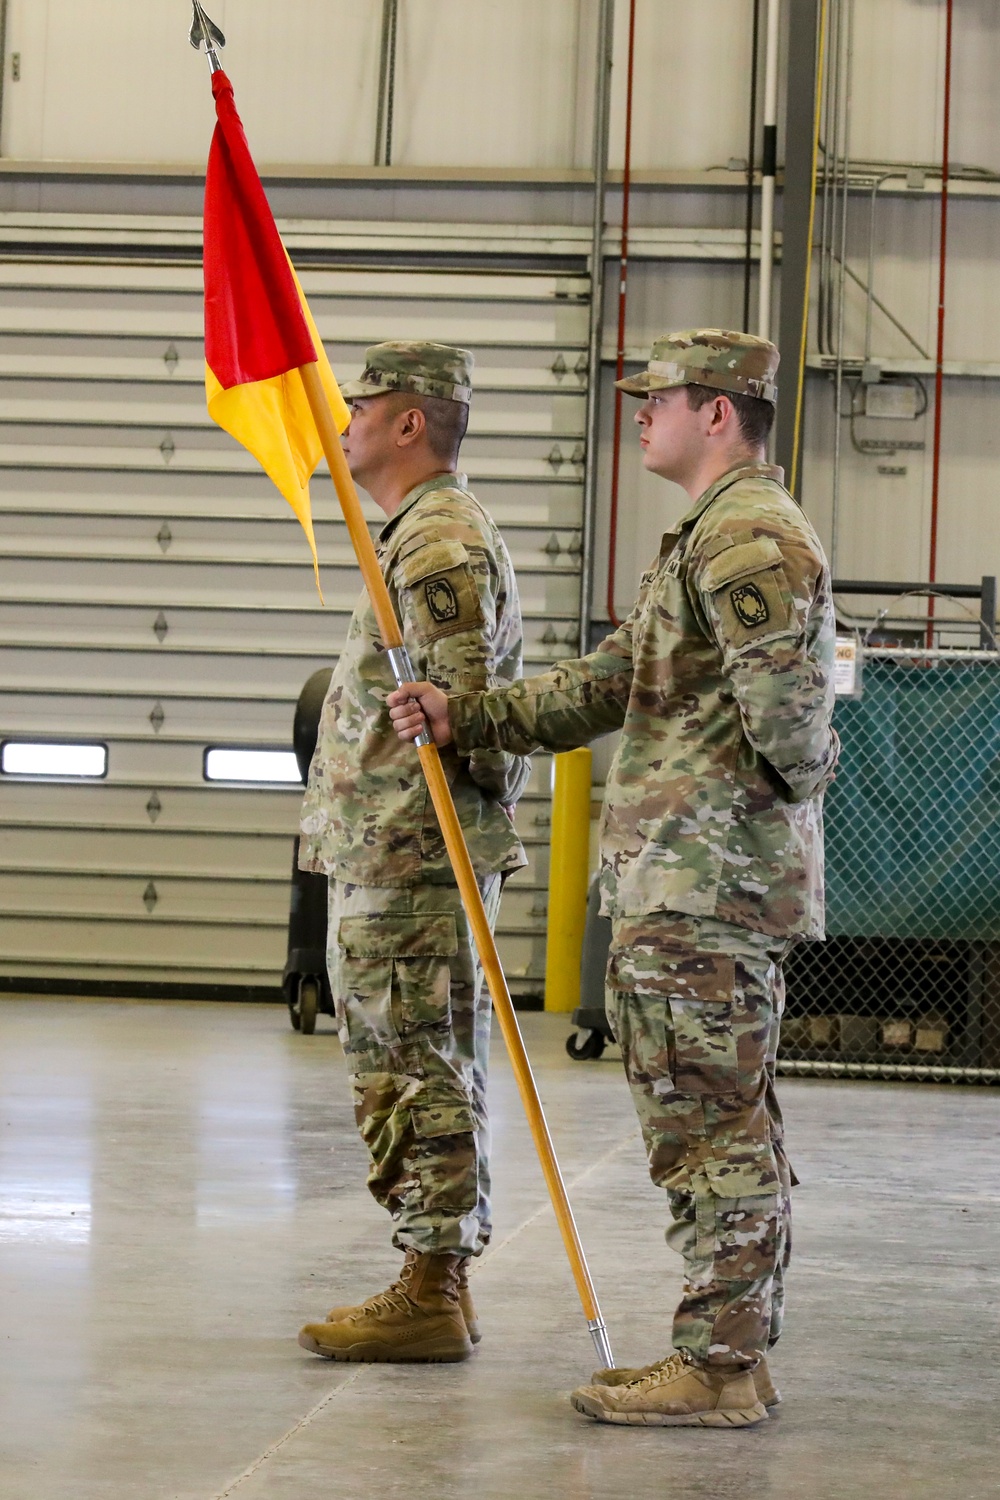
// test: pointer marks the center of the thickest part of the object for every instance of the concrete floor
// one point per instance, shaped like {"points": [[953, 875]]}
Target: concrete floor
{"points": [[181, 1187]]}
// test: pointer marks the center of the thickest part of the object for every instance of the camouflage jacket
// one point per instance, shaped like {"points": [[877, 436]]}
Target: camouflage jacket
{"points": [[722, 680], [367, 817]]}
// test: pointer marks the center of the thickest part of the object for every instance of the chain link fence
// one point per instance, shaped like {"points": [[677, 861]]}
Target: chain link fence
{"points": [[907, 984]]}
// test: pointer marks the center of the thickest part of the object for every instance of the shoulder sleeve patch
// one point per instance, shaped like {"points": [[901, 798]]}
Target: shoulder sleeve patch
{"points": [[746, 593], [749, 605], [442, 592]]}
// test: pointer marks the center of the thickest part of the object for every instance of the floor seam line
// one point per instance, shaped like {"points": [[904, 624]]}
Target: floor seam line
{"points": [[286, 1437], [546, 1205], [304, 1421]]}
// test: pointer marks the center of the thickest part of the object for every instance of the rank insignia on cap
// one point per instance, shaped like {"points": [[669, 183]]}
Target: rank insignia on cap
{"points": [[443, 602], [750, 605]]}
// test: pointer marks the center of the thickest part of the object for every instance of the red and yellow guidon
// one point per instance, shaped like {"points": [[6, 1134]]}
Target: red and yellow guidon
{"points": [[258, 327]]}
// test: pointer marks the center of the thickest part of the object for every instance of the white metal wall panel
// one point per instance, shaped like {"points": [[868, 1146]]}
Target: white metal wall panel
{"points": [[497, 83], [157, 596], [898, 85], [885, 498], [110, 80], [492, 83]]}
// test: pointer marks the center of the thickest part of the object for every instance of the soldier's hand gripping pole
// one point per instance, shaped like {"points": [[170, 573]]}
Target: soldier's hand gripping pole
{"points": [[451, 828]]}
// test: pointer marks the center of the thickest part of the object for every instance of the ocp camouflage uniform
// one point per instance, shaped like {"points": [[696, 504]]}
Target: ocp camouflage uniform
{"points": [[721, 679], [411, 1006]]}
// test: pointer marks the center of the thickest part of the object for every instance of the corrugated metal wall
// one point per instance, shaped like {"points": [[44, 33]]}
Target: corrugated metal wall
{"points": [[158, 597]]}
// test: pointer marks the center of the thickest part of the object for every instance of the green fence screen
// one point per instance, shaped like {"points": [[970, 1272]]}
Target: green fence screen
{"points": [[908, 982]]}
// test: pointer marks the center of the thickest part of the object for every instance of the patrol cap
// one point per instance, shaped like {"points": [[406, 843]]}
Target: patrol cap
{"points": [[414, 365], [716, 357]]}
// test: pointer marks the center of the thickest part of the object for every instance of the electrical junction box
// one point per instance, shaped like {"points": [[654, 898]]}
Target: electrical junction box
{"points": [[892, 399]]}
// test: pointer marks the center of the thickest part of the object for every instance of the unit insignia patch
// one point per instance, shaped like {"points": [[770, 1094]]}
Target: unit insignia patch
{"points": [[750, 605], [442, 600]]}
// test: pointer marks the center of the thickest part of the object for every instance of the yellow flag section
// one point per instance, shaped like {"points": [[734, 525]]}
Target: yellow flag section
{"points": [[272, 420]]}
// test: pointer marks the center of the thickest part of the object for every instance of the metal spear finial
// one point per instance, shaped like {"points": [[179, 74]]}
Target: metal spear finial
{"points": [[205, 30]]}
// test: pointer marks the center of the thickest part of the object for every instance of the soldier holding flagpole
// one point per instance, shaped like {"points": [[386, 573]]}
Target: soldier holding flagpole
{"points": [[413, 1012], [269, 383]]}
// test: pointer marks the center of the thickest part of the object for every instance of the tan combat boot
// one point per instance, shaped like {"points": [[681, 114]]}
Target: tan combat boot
{"points": [[418, 1318], [767, 1393], [676, 1393], [337, 1314]]}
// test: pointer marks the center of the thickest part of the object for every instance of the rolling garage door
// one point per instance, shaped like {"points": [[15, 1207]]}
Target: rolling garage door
{"points": [[158, 600]]}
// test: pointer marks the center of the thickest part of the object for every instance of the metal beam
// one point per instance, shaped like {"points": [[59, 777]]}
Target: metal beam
{"points": [[92, 241], [967, 369], [386, 84], [800, 129], [4, 8]]}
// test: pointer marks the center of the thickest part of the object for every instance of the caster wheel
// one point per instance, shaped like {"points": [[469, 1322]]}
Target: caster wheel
{"points": [[585, 1046], [295, 1016], [308, 1006]]}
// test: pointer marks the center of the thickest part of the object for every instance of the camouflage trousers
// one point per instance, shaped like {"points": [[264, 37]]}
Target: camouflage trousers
{"points": [[414, 1019], [696, 1006]]}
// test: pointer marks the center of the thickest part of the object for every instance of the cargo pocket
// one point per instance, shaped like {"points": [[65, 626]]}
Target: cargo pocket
{"points": [[746, 1207], [706, 1060], [748, 1170], [397, 975], [679, 1017], [445, 1151]]}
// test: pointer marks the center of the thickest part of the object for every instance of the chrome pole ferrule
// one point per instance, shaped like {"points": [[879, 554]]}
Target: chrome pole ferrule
{"points": [[599, 1333]]}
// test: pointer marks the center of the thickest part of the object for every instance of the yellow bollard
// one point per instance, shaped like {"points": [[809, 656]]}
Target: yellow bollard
{"points": [[569, 864]]}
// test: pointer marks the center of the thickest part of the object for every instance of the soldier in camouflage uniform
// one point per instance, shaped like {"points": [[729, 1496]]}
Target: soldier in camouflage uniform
{"points": [[412, 1009], [721, 680]]}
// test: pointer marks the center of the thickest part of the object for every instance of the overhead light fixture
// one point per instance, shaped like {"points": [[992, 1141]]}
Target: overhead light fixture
{"points": [[262, 767], [53, 758]]}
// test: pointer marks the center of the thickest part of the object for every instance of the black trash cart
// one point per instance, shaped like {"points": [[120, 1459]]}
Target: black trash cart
{"points": [[305, 984], [592, 1032]]}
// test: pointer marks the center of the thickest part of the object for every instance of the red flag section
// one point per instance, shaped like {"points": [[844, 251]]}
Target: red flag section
{"points": [[258, 327], [254, 327]]}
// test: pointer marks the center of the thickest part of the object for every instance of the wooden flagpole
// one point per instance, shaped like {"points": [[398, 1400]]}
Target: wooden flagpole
{"points": [[204, 30], [458, 853]]}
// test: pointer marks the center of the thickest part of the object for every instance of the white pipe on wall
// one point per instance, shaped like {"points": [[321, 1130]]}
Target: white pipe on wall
{"points": [[602, 117], [768, 168]]}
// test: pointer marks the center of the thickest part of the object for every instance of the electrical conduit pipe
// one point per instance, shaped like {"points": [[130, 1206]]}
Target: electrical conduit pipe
{"points": [[769, 167], [939, 360], [616, 441]]}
